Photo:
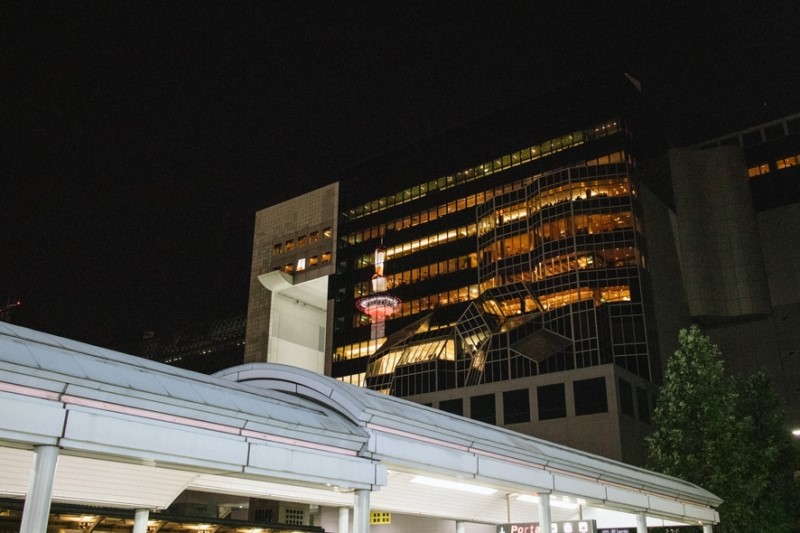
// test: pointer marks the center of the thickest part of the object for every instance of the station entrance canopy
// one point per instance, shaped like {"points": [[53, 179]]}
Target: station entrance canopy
{"points": [[130, 433]]}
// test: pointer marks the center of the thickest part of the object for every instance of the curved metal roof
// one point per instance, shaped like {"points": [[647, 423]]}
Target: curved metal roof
{"points": [[73, 368], [265, 429], [382, 412]]}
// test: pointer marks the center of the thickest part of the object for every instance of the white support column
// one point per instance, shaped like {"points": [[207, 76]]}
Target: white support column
{"points": [[641, 523], [460, 526], [140, 518], [361, 511], [344, 519], [36, 511], [544, 512], [708, 528]]}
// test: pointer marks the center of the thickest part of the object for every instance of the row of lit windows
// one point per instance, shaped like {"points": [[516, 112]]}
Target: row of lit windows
{"points": [[426, 303], [507, 161], [780, 164], [570, 192], [616, 257], [586, 225], [425, 351], [582, 224], [508, 247], [557, 229], [582, 190], [557, 196], [358, 349], [421, 274], [595, 188], [431, 214], [510, 306], [359, 380], [787, 162], [301, 241], [620, 293], [505, 277], [554, 300], [305, 263], [367, 348], [758, 170], [424, 243]]}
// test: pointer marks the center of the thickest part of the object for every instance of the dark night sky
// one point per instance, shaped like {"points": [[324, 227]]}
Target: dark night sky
{"points": [[140, 138]]}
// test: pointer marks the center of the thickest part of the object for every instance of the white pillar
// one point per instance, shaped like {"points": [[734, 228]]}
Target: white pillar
{"points": [[361, 511], [36, 511], [460, 526], [344, 519], [140, 518], [641, 523], [544, 513], [708, 528]]}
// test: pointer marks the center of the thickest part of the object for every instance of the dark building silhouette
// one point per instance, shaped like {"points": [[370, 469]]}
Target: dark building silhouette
{"points": [[204, 348]]}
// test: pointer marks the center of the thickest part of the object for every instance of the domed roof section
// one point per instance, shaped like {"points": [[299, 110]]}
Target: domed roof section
{"points": [[388, 414], [37, 359]]}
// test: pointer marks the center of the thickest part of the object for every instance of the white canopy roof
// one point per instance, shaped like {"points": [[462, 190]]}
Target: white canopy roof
{"points": [[281, 432]]}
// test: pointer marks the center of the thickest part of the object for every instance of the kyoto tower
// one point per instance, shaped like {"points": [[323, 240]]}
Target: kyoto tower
{"points": [[378, 305]]}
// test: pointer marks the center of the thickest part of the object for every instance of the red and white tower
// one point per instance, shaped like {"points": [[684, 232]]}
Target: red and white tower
{"points": [[378, 305]]}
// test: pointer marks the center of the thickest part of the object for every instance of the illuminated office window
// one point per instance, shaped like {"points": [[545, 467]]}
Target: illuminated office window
{"points": [[758, 170], [786, 162]]}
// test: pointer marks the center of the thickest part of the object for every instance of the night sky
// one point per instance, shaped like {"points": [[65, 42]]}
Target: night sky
{"points": [[139, 138]]}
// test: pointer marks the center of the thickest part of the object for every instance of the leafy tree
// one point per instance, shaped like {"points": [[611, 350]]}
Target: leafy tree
{"points": [[770, 490], [727, 435]]}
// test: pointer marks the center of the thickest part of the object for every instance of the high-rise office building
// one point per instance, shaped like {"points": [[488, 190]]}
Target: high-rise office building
{"points": [[539, 260], [205, 348], [725, 253]]}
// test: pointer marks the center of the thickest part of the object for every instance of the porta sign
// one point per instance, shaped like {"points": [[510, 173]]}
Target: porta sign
{"points": [[573, 526]]}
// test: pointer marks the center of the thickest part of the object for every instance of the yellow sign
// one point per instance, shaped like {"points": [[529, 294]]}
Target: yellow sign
{"points": [[378, 518]]}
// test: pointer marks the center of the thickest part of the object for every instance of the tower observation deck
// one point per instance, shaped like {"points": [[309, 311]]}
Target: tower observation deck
{"points": [[379, 304]]}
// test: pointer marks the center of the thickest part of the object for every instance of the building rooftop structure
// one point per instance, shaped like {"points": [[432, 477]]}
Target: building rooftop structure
{"points": [[287, 434], [204, 348], [756, 211]]}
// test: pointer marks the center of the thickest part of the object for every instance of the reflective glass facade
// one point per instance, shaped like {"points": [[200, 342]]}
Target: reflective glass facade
{"points": [[531, 263]]}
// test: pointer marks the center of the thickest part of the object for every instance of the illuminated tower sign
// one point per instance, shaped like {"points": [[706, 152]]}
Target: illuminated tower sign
{"points": [[378, 305]]}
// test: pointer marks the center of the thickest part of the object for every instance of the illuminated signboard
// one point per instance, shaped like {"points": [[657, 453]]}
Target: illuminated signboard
{"points": [[571, 526]]}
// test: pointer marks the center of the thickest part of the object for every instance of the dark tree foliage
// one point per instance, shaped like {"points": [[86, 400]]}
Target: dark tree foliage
{"points": [[727, 435]]}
